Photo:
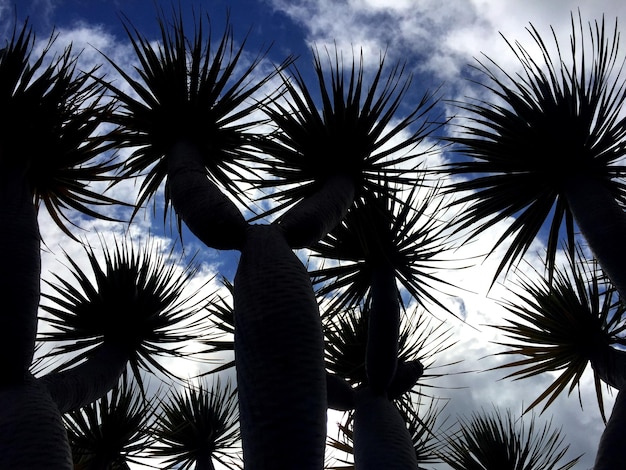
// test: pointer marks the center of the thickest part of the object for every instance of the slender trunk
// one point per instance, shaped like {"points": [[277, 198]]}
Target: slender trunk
{"points": [[204, 463], [20, 271], [32, 435], [602, 222], [312, 218], [381, 438], [90, 380], [279, 356], [381, 356], [612, 449], [205, 209]]}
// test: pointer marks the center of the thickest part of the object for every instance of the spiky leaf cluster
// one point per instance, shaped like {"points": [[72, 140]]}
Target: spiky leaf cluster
{"points": [[51, 127], [136, 301], [190, 88], [111, 431], [382, 230], [560, 117], [353, 134], [499, 442], [562, 325], [196, 425]]}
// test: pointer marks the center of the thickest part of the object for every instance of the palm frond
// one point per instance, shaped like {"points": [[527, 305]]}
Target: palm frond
{"points": [[220, 313], [198, 424], [408, 235], [136, 300], [111, 431], [559, 117], [346, 342], [190, 88], [496, 441], [561, 326], [354, 133], [52, 127]]}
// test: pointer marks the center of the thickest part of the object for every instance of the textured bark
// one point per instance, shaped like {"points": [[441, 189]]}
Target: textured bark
{"points": [[279, 353], [312, 218], [88, 381], [612, 449], [602, 222], [205, 209], [381, 355], [32, 435], [20, 271], [381, 439], [610, 365], [340, 394], [407, 375]]}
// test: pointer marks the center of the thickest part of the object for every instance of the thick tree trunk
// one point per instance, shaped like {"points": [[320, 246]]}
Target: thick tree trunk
{"points": [[381, 438], [20, 271], [279, 355], [32, 435], [612, 449], [312, 218], [602, 222], [90, 380], [205, 209], [381, 355]]}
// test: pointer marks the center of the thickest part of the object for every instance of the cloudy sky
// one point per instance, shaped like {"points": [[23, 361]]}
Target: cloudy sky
{"points": [[438, 40]]}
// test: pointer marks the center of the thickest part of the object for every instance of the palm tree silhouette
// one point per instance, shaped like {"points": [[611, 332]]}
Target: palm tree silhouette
{"points": [[189, 129], [48, 156], [547, 150], [490, 441]]}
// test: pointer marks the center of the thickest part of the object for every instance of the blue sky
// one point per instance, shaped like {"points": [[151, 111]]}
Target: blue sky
{"points": [[437, 39]]}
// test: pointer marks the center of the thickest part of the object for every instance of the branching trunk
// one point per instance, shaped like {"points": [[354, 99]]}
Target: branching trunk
{"points": [[312, 218], [87, 382], [603, 224], [381, 438], [20, 271], [32, 435], [279, 354], [205, 209]]}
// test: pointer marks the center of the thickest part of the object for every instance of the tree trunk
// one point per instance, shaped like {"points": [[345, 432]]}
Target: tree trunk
{"points": [[612, 449], [279, 356], [312, 218], [20, 271], [602, 222], [32, 435], [205, 462], [381, 438], [88, 381], [381, 356], [206, 210]]}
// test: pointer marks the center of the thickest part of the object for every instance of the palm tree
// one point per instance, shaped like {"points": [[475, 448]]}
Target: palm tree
{"points": [[565, 325], [385, 239], [547, 150], [112, 431], [188, 126], [133, 311], [48, 156], [496, 442], [196, 425]]}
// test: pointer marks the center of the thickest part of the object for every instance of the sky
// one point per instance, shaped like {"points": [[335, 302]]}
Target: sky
{"points": [[439, 41]]}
